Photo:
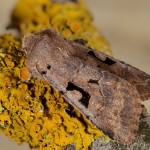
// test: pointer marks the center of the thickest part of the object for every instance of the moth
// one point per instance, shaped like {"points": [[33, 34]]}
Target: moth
{"points": [[105, 90]]}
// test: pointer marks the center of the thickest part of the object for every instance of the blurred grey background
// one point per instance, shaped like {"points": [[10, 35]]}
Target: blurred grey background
{"points": [[124, 23], [126, 26]]}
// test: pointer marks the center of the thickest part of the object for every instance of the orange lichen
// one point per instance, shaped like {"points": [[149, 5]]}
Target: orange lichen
{"points": [[72, 20], [24, 73]]}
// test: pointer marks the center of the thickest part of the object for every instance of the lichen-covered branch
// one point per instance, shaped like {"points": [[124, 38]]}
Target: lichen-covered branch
{"points": [[32, 111], [72, 20]]}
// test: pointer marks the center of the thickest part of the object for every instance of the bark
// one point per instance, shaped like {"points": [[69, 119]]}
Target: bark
{"points": [[142, 141]]}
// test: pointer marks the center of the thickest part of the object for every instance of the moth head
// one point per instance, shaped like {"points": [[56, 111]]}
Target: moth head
{"points": [[29, 45]]}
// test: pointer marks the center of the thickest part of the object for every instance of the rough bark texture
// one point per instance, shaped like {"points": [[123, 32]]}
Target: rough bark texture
{"points": [[106, 90], [142, 141]]}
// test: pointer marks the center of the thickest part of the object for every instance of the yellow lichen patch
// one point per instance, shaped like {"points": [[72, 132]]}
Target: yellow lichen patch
{"points": [[72, 20], [31, 111]]}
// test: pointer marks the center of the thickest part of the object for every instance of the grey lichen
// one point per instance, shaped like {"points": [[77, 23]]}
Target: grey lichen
{"points": [[142, 141], [144, 129]]}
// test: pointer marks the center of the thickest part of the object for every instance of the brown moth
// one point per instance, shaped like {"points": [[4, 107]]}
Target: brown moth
{"points": [[104, 89]]}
